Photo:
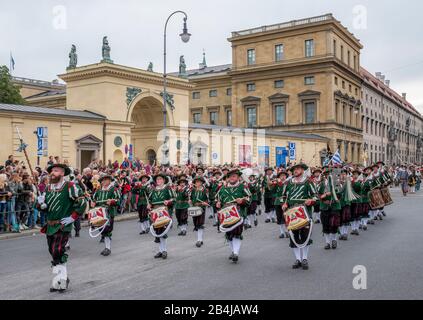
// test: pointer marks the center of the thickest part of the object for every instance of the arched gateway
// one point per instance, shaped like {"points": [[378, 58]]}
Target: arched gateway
{"points": [[131, 100]]}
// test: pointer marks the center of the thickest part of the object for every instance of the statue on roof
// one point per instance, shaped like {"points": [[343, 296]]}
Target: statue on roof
{"points": [[106, 51], [182, 67], [150, 67], [73, 58]]}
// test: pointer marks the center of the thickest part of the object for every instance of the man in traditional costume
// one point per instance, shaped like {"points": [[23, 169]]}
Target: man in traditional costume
{"points": [[161, 195], [107, 196], [63, 206], [199, 198], [142, 190], [300, 192], [269, 195], [234, 192], [279, 187], [182, 204], [330, 208]]}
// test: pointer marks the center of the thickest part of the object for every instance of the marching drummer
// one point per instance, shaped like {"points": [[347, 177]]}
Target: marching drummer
{"points": [[107, 196], [300, 191], [254, 187], [161, 195], [356, 205], [279, 187], [215, 184], [142, 189], [365, 206], [330, 209], [268, 195], [199, 198], [182, 204], [235, 193]]}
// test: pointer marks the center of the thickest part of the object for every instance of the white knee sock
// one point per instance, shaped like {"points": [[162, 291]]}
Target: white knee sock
{"points": [[318, 216], [273, 214], [63, 271], [327, 238], [333, 236], [107, 242], [304, 253], [231, 246], [297, 253], [200, 234], [251, 219], [236, 245], [282, 231], [268, 215], [142, 226], [163, 244]]}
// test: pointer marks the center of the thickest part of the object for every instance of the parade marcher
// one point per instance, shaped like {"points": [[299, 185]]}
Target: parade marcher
{"points": [[234, 192], [199, 198], [356, 204], [268, 195], [316, 179], [330, 208], [402, 176], [346, 196], [63, 207], [279, 187], [365, 206], [182, 203], [300, 192], [142, 189], [215, 184], [161, 195], [254, 187], [107, 196]]}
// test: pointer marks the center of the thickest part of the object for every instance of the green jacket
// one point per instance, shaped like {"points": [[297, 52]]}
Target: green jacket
{"points": [[298, 192], [228, 193], [182, 198], [198, 196], [280, 193], [325, 187], [61, 203], [113, 194]]}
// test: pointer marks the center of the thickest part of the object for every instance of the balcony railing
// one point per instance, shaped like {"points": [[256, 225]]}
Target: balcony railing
{"points": [[283, 25], [36, 82]]}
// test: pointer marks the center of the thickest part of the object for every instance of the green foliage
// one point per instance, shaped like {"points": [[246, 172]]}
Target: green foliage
{"points": [[9, 93]]}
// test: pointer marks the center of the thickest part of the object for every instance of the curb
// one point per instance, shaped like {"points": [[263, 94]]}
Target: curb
{"points": [[84, 224]]}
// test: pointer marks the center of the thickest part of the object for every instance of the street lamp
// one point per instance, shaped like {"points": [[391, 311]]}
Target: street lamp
{"points": [[185, 36]]}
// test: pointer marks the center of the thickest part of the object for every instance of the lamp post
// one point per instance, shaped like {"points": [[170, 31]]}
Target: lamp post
{"points": [[185, 35]]}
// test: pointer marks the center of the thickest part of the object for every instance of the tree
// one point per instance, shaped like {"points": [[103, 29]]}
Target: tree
{"points": [[9, 93]]}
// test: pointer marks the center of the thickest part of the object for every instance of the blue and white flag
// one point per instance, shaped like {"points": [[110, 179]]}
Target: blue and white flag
{"points": [[336, 158]]}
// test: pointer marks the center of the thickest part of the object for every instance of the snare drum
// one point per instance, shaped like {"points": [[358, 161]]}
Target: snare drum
{"points": [[160, 217], [98, 216], [228, 216], [386, 195], [195, 211], [296, 218], [375, 199]]}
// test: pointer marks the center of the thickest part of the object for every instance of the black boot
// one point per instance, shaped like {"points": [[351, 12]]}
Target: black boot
{"points": [[297, 264], [305, 264], [164, 255], [327, 246], [158, 255], [255, 223], [235, 258], [334, 244]]}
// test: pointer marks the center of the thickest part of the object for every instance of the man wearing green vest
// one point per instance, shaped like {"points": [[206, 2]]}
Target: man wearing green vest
{"points": [[63, 206]]}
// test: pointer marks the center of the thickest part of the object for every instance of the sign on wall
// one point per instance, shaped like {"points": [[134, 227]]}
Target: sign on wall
{"points": [[244, 154], [263, 156], [42, 141], [292, 151]]}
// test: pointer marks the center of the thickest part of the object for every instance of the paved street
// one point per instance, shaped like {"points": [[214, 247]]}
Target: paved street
{"points": [[390, 250]]}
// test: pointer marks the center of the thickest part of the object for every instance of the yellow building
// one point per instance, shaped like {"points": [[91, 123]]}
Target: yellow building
{"points": [[300, 76], [292, 90]]}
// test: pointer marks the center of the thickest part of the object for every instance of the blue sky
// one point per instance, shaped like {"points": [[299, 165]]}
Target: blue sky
{"points": [[40, 38]]}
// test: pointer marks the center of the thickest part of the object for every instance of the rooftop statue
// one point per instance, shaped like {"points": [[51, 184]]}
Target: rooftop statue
{"points": [[73, 58], [106, 51]]}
